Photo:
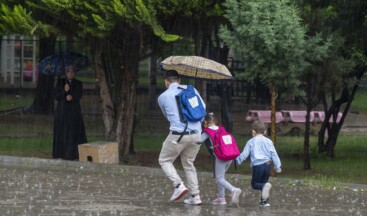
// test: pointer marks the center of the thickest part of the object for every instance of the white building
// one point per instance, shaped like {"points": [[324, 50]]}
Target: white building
{"points": [[18, 60]]}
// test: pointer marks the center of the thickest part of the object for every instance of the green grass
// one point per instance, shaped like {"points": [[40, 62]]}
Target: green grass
{"points": [[87, 79], [39, 146], [359, 102], [26, 147], [346, 167], [14, 101], [350, 153], [148, 143]]}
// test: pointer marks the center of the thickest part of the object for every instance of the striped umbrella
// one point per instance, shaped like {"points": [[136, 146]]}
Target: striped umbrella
{"points": [[197, 67]]}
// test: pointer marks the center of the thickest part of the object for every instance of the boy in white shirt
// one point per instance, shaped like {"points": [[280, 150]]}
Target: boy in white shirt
{"points": [[262, 154]]}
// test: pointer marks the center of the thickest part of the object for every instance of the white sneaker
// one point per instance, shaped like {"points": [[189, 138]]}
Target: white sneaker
{"points": [[193, 200], [179, 192], [265, 191], [235, 196]]}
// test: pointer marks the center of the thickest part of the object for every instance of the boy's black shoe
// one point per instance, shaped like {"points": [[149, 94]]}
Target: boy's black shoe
{"points": [[264, 203]]}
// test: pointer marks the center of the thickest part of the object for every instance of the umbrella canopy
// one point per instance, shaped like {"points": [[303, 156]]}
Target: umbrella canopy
{"points": [[197, 67], [54, 65]]}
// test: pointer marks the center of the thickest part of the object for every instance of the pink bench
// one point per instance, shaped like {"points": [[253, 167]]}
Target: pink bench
{"points": [[291, 116], [263, 116], [320, 116], [296, 116]]}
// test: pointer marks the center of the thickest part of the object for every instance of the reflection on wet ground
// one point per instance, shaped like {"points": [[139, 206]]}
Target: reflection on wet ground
{"points": [[54, 187]]}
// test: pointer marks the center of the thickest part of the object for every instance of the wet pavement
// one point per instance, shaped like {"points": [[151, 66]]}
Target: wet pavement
{"points": [[31, 186]]}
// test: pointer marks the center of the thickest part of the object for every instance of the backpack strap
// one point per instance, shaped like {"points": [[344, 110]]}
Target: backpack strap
{"points": [[179, 105], [220, 129], [180, 113], [189, 87], [182, 134], [179, 108], [213, 162]]}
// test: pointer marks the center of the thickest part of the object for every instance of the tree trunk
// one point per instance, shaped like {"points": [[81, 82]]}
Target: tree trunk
{"points": [[331, 142], [108, 110], [44, 102], [119, 109], [127, 94], [132, 148], [273, 111], [226, 108], [306, 145], [334, 128], [153, 82], [311, 101], [203, 50], [125, 119], [221, 55]]}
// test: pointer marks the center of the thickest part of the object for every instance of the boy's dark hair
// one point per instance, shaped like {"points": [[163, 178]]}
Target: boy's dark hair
{"points": [[171, 75], [258, 126]]}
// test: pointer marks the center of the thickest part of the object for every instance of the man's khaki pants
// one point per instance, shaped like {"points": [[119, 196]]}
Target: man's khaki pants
{"points": [[187, 149]]}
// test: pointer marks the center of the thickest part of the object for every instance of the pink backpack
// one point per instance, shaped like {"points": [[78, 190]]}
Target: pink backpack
{"points": [[223, 143]]}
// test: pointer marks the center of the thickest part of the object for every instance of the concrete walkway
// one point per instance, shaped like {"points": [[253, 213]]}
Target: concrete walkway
{"points": [[31, 186]]}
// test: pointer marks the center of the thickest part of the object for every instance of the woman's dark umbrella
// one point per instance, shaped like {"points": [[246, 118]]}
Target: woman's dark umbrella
{"points": [[54, 65]]}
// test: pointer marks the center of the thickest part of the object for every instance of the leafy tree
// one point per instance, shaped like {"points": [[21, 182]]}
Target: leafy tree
{"points": [[339, 74], [269, 39], [119, 34], [16, 19], [274, 48]]}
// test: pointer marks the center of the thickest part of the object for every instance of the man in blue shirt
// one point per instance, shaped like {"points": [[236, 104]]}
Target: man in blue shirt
{"points": [[186, 148], [262, 152]]}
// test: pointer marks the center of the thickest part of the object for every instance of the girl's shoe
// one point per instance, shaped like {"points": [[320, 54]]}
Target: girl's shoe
{"points": [[219, 201]]}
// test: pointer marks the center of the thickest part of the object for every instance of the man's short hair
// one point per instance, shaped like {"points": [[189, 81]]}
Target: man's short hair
{"points": [[171, 74]]}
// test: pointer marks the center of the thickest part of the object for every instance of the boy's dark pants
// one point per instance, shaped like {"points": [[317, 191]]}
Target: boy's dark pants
{"points": [[260, 175]]}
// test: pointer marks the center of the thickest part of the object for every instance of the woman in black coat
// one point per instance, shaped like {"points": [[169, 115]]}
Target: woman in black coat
{"points": [[69, 130]]}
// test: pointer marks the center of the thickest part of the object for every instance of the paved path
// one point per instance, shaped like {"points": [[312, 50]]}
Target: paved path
{"points": [[32, 186]]}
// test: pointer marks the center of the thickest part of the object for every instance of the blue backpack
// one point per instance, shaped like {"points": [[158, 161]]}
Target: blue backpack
{"points": [[190, 105]]}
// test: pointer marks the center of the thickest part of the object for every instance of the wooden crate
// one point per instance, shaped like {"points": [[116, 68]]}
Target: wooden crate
{"points": [[99, 152]]}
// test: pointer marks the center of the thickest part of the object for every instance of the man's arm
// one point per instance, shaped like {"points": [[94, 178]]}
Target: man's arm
{"points": [[161, 101]]}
